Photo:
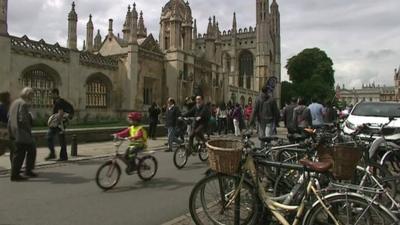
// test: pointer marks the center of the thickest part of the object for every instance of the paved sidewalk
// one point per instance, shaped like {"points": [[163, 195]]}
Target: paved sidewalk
{"points": [[85, 152]]}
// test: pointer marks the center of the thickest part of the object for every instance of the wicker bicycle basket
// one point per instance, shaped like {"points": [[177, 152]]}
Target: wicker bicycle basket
{"points": [[346, 158], [224, 155]]}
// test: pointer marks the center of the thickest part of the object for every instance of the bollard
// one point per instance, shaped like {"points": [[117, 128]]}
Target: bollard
{"points": [[74, 146]]}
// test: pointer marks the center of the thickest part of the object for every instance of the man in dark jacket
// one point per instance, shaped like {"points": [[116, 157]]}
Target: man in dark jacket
{"points": [[154, 111], [20, 129], [288, 116], [265, 113], [202, 115], [171, 115]]}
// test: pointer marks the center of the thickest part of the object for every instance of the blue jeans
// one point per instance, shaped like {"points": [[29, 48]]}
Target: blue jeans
{"points": [[51, 134], [172, 137]]}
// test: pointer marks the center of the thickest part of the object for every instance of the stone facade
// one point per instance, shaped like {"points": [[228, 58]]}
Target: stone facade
{"points": [[114, 74]]}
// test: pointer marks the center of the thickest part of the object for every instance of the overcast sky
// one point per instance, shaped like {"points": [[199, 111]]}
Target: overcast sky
{"points": [[361, 36]]}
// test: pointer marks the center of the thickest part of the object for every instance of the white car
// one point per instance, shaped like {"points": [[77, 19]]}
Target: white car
{"points": [[376, 114]]}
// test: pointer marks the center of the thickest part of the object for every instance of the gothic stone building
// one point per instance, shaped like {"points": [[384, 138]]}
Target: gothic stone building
{"points": [[115, 74]]}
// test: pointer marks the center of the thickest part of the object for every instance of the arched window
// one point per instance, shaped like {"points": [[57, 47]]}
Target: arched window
{"points": [[246, 69], [42, 83], [97, 92]]}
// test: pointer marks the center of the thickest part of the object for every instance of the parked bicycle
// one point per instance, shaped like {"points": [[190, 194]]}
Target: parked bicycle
{"points": [[109, 173], [183, 151], [240, 197]]}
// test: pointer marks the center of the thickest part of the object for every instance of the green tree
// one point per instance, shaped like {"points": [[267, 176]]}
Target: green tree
{"points": [[312, 74]]}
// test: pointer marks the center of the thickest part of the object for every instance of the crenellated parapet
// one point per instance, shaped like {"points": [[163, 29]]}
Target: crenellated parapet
{"points": [[40, 48], [97, 60]]}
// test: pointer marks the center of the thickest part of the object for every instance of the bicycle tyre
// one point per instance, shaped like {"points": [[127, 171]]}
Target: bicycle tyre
{"points": [[203, 153], [354, 203], [180, 153], [200, 210], [105, 165], [144, 163]]}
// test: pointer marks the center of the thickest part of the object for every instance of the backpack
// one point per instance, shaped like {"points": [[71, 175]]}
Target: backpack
{"points": [[68, 108]]}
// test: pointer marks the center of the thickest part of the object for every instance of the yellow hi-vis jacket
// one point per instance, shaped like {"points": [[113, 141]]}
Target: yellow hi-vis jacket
{"points": [[141, 142]]}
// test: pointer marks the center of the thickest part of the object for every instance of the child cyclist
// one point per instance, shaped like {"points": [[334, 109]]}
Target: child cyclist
{"points": [[137, 136]]}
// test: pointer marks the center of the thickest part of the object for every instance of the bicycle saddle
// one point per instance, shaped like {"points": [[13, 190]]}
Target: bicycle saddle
{"points": [[268, 139], [320, 167]]}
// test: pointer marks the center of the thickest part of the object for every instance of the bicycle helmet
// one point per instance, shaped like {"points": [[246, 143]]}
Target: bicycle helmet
{"points": [[135, 116]]}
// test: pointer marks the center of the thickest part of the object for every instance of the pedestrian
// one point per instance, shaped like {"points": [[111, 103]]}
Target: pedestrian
{"points": [[317, 113], [202, 116], [237, 116], [265, 113], [5, 142], [230, 108], [330, 114], [154, 111], [247, 114], [20, 129], [171, 117], [288, 119], [222, 114], [63, 110], [302, 116]]}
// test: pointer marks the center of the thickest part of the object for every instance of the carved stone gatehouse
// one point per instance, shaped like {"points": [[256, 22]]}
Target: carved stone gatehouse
{"points": [[116, 73]]}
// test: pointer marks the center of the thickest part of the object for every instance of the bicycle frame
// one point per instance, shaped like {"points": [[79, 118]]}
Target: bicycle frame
{"points": [[276, 207]]}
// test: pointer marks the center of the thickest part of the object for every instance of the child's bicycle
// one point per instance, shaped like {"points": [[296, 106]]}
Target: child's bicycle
{"points": [[108, 174], [182, 153]]}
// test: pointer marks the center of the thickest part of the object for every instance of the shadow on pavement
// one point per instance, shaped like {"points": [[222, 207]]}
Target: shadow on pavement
{"points": [[162, 183], [59, 178]]}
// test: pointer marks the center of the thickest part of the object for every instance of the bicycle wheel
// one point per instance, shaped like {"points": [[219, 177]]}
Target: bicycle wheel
{"points": [[147, 168], [180, 157], [209, 197], [107, 176], [203, 152], [349, 209]]}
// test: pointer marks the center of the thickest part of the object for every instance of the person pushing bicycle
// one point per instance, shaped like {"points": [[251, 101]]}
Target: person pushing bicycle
{"points": [[202, 115], [137, 136]]}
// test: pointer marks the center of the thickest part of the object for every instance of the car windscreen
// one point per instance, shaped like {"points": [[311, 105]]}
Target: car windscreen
{"points": [[377, 110]]}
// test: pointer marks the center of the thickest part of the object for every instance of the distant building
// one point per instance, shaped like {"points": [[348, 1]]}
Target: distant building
{"points": [[397, 83], [368, 92]]}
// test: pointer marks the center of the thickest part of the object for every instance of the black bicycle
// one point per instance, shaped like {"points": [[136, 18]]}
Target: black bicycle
{"points": [[183, 151], [109, 173]]}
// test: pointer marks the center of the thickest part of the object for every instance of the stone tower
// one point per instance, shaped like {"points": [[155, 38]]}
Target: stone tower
{"points": [[263, 55], [176, 26], [89, 34], [72, 22], [276, 37], [3, 18]]}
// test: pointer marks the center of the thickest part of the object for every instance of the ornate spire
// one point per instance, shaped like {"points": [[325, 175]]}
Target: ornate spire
{"points": [[194, 29], [234, 24], [274, 4], [72, 14], [142, 31], [133, 28], [72, 24], [210, 28], [89, 34], [97, 40], [110, 27]]}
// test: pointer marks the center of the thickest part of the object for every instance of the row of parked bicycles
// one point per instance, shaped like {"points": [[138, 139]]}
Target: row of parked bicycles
{"points": [[325, 177]]}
